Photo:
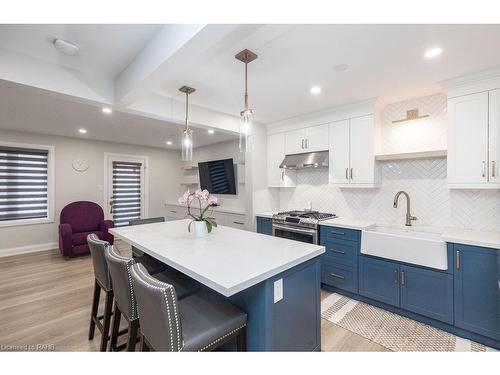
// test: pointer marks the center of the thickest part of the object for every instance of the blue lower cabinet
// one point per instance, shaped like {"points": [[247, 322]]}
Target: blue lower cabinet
{"points": [[477, 289], [379, 280], [427, 292], [339, 276], [264, 225], [341, 252]]}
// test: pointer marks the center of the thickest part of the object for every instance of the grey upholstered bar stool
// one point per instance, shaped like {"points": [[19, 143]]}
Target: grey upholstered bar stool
{"points": [[151, 264], [125, 302], [101, 281], [201, 322]]}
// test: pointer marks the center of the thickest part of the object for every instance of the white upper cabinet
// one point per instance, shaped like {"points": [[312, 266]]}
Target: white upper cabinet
{"points": [[339, 152], [494, 136], [277, 177], [473, 140], [352, 160], [294, 142], [311, 139]]}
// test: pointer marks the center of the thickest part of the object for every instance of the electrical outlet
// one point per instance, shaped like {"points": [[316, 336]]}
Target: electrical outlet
{"points": [[278, 290]]}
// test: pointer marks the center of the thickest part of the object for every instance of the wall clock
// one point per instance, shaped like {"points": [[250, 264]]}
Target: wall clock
{"points": [[80, 165]]}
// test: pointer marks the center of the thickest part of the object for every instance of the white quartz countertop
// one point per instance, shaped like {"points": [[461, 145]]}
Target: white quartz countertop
{"points": [[268, 214], [228, 260], [472, 237], [345, 222]]}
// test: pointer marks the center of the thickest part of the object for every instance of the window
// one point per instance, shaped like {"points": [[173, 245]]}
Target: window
{"points": [[25, 184], [126, 192]]}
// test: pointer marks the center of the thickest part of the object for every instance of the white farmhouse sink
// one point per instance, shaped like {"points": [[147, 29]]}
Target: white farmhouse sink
{"points": [[405, 245]]}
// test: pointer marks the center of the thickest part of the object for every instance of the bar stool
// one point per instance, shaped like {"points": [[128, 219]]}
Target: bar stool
{"points": [[101, 281], [125, 302], [201, 322], [151, 264]]}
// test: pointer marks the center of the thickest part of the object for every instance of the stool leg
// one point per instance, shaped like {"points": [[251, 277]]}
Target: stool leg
{"points": [[241, 340], [132, 335], [144, 346], [106, 320], [95, 306], [115, 327]]}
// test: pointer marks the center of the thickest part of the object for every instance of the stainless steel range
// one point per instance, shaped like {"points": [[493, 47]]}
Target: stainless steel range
{"points": [[299, 225]]}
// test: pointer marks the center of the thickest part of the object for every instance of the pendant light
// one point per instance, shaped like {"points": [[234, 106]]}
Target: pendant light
{"points": [[245, 130], [187, 133]]}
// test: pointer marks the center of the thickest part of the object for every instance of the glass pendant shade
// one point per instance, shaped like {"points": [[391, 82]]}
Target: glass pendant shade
{"points": [[187, 145], [245, 131]]}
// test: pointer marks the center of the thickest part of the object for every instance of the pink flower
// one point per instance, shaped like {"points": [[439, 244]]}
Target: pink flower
{"points": [[202, 195], [212, 200], [185, 198]]}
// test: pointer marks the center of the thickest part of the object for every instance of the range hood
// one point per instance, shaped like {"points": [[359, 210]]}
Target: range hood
{"points": [[308, 160]]}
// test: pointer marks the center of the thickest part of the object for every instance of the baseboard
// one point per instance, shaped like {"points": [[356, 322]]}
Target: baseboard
{"points": [[28, 249]]}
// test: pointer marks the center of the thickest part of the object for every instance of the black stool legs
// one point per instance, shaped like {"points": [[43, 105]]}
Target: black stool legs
{"points": [[95, 321], [133, 328]]}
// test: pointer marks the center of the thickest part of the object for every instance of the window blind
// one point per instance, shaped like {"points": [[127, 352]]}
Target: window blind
{"points": [[23, 183], [126, 192]]}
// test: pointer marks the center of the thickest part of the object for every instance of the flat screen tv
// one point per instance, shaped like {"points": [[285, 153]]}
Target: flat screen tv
{"points": [[217, 176]]}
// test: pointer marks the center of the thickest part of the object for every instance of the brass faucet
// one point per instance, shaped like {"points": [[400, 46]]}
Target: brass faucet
{"points": [[409, 218]]}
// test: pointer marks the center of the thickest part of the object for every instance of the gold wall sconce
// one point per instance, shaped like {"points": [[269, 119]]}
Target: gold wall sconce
{"points": [[411, 114]]}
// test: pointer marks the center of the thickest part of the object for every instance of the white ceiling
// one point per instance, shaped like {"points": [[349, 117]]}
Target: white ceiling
{"points": [[23, 108], [105, 50], [384, 61]]}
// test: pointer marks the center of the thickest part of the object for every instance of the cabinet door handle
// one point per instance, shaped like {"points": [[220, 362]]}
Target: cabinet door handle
{"points": [[347, 173], [337, 276], [493, 168], [484, 169], [302, 144], [403, 278], [351, 173], [282, 176], [307, 143], [238, 222], [337, 251], [395, 276], [457, 259]]}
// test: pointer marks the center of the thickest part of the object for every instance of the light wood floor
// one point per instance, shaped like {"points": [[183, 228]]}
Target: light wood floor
{"points": [[45, 299]]}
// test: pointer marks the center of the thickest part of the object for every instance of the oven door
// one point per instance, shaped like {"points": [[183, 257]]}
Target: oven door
{"points": [[295, 233]]}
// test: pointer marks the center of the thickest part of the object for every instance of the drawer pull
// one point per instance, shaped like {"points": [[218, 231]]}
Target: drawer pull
{"points": [[238, 222], [337, 233], [173, 211], [337, 276], [337, 251]]}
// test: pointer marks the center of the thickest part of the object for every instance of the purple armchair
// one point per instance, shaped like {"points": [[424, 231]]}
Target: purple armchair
{"points": [[78, 220]]}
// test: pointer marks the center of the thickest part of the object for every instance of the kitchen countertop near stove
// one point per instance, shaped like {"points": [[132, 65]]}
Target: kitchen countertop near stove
{"points": [[345, 222], [268, 214]]}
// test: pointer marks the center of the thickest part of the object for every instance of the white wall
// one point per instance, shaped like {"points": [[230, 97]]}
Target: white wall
{"points": [[425, 179], [223, 150], [164, 174]]}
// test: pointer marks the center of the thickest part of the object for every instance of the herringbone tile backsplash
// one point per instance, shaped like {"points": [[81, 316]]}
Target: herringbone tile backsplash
{"points": [[424, 179]]}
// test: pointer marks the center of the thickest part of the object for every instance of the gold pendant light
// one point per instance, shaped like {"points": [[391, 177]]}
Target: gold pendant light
{"points": [[245, 130], [187, 133]]}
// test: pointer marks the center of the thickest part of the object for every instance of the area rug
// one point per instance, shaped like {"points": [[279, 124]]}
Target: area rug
{"points": [[390, 330]]}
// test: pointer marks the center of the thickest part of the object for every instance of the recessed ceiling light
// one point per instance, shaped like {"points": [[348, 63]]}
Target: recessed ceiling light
{"points": [[210, 131], [315, 90], [340, 67], [82, 131], [433, 52], [107, 110], [66, 47], [169, 143]]}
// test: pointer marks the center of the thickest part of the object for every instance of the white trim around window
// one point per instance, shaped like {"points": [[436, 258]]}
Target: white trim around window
{"points": [[50, 185]]}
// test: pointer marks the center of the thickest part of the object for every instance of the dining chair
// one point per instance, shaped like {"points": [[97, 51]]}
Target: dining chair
{"points": [[102, 281], [202, 321], [125, 302]]}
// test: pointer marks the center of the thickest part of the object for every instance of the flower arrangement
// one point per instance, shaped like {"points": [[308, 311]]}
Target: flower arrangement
{"points": [[205, 201]]}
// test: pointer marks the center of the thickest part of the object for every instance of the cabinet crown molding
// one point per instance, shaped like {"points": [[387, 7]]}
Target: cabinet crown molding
{"points": [[472, 83]]}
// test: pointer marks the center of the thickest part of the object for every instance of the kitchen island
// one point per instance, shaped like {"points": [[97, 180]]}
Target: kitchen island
{"points": [[276, 281]]}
